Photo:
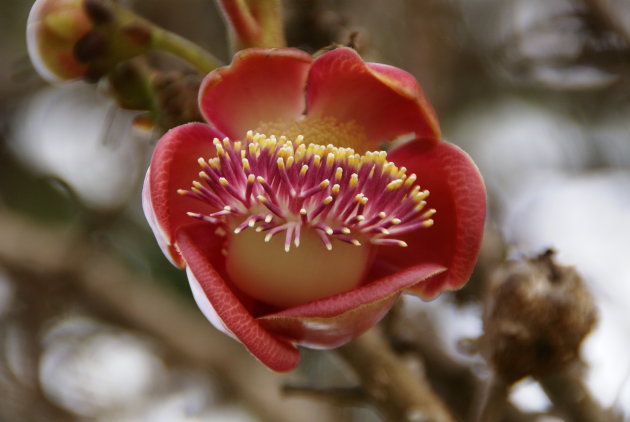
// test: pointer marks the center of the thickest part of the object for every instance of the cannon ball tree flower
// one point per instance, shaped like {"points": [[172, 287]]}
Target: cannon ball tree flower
{"points": [[294, 226]]}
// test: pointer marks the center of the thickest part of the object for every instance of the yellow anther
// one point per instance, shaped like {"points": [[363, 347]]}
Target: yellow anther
{"points": [[324, 184], [214, 163], [420, 196], [223, 181], [330, 159], [328, 200], [280, 162], [394, 184], [338, 174], [410, 180], [354, 180], [303, 170], [245, 162], [182, 191], [251, 178], [429, 213], [420, 205], [335, 189]]}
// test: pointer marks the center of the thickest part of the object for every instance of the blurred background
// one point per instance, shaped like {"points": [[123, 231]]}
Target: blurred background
{"points": [[95, 325]]}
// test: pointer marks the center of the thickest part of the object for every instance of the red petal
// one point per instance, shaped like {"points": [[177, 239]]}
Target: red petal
{"points": [[261, 85], [335, 320], [458, 194], [385, 101], [174, 166], [198, 246]]}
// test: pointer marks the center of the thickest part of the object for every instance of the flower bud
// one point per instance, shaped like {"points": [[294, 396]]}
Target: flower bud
{"points": [[53, 30]]}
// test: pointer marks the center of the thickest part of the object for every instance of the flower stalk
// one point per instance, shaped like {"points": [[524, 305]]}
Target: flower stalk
{"points": [[389, 385], [193, 54], [254, 23]]}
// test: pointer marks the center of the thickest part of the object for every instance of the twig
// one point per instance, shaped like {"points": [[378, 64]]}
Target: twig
{"points": [[389, 384], [342, 395], [573, 400], [494, 401], [606, 14]]}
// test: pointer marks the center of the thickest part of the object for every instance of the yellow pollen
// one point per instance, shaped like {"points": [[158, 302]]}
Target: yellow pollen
{"points": [[318, 130]]}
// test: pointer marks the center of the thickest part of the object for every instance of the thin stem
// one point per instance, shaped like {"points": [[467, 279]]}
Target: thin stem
{"points": [[395, 390], [186, 50], [493, 403], [254, 23], [269, 16], [566, 389], [241, 21]]}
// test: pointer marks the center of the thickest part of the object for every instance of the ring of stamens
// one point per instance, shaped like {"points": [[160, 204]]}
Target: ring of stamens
{"points": [[276, 186]]}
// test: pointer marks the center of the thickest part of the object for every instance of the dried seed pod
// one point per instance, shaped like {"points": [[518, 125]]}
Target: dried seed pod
{"points": [[536, 315]]}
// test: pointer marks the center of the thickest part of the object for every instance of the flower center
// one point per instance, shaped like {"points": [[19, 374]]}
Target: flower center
{"points": [[304, 200], [318, 130]]}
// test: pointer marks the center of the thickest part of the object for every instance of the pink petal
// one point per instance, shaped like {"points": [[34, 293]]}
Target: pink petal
{"points": [[458, 194], [261, 85], [147, 206], [385, 101], [174, 166], [198, 245], [335, 320]]}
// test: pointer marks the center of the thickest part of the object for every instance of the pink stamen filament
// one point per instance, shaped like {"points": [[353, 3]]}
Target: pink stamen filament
{"points": [[276, 185]]}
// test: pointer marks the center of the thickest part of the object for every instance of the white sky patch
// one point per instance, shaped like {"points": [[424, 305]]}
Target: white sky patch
{"points": [[68, 131]]}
